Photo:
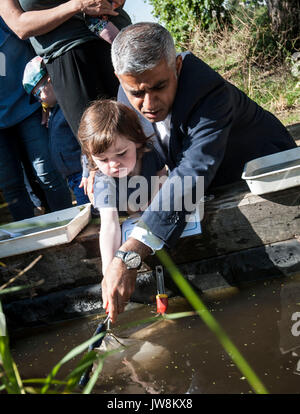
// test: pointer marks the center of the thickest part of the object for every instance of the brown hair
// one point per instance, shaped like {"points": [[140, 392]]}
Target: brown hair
{"points": [[103, 121]]}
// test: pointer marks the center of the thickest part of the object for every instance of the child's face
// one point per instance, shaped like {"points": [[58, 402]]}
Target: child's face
{"points": [[44, 91], [119, 159]]}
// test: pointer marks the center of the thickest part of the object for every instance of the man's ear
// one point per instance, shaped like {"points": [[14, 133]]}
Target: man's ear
{"points": [[178, 65]]}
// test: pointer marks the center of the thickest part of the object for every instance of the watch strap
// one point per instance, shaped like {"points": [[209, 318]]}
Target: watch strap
{"points": [[121, 255]]}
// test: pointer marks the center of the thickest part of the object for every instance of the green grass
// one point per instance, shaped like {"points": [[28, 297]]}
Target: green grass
{"points": [[263, 76]]}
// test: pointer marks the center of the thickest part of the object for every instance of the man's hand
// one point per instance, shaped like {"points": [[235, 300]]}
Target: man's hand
{"points": [[117, 286], [118, 282]]}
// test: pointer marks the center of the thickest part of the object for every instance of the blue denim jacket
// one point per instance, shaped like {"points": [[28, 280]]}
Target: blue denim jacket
{"points": [[15, 103]]}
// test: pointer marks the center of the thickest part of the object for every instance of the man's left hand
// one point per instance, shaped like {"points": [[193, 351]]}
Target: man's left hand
{"points": [[118, 283], [117, 286]]}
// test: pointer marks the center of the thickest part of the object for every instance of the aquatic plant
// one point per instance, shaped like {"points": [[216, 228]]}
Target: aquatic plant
{"points": [[10, 378], [13, 384]]}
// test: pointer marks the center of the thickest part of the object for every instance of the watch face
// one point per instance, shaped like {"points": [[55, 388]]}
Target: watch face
{"points": [[132, 260]]}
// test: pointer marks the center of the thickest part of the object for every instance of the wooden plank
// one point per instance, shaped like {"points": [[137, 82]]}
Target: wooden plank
{"points": [[206, 276], [236, 220]]}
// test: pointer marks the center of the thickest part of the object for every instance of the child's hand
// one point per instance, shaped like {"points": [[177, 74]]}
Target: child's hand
{"points": [[88, 190], [88, 185], [83, 183], [45, 117]]}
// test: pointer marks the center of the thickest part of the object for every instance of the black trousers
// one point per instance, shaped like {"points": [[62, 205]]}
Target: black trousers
{"points": [[81, 75]]}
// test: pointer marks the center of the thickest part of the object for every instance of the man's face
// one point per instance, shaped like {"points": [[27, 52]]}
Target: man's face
{"points": [[152, 92]]}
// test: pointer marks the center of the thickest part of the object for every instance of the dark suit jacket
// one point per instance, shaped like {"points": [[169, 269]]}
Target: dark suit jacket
{"points": [[215, 130]]}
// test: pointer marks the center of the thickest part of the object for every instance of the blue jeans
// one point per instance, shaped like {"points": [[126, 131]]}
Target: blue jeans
{"points": [[74, 180], [30, 138]]}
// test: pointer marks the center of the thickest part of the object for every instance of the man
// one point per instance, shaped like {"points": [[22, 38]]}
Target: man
{"points": [[207, 128]]}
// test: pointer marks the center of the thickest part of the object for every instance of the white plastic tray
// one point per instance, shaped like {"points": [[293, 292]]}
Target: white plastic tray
{"points": [[273, 172], [44, 231]]}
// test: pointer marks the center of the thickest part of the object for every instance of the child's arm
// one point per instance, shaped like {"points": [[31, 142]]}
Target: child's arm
{"points": [[110, 235]]}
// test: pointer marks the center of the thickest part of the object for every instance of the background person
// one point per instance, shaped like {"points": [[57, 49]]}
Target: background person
{"points": [[21, 131], [77, 60], [64, 148]]}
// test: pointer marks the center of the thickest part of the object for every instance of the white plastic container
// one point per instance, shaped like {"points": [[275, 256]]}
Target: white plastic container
{"points": [[43, 231], [273, 172]]}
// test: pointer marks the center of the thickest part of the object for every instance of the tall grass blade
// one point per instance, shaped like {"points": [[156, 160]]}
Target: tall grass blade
{"points": [[10, 378], [70, 355], [211, 322]]}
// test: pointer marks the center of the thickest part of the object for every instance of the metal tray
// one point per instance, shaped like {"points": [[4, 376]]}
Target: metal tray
{"points": [[43, 231], [273, 172]]}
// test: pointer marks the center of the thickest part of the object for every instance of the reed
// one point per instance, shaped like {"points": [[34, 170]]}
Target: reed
{"points": [[10, 378], [211, 323]]}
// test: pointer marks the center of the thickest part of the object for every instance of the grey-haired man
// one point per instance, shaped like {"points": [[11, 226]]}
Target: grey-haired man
{"points": [[207, 128]]}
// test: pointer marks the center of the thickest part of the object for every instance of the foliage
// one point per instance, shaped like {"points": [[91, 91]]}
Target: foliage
{"points": [[181, 16], [282, 16], [263, 44], [249, 56], [13, 384]]}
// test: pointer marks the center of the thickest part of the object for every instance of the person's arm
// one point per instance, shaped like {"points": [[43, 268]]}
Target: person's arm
{"points": [[118, 283], [110, 235], [204, 136], [39, 22]]}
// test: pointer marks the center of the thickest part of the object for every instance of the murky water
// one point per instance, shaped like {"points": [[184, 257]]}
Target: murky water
{"points": [[183, 356]]}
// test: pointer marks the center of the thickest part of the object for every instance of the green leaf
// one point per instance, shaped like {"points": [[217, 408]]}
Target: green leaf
{"points": [[70, 355], [211, 322]]}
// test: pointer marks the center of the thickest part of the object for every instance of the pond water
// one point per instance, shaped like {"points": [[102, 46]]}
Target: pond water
{"points": [[183, 356]]}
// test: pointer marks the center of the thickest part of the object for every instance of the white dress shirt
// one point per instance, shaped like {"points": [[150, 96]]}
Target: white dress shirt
{"points": [[140, 231]]}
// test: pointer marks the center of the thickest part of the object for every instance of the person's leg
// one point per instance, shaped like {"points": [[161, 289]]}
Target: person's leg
{"points": [[34, 198], [80, 76], [12, 178], [74, 181], [35, 142], [35, 192]]}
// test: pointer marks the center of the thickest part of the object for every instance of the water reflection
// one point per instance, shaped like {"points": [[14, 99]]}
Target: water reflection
{"points": [[182, 355]]}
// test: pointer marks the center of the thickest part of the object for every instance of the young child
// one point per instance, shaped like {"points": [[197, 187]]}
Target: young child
{"points": [[116, 146], [64, 148]]}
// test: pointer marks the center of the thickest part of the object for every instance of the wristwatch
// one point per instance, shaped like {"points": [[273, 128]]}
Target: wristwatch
{"points": [[131, 259]]}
